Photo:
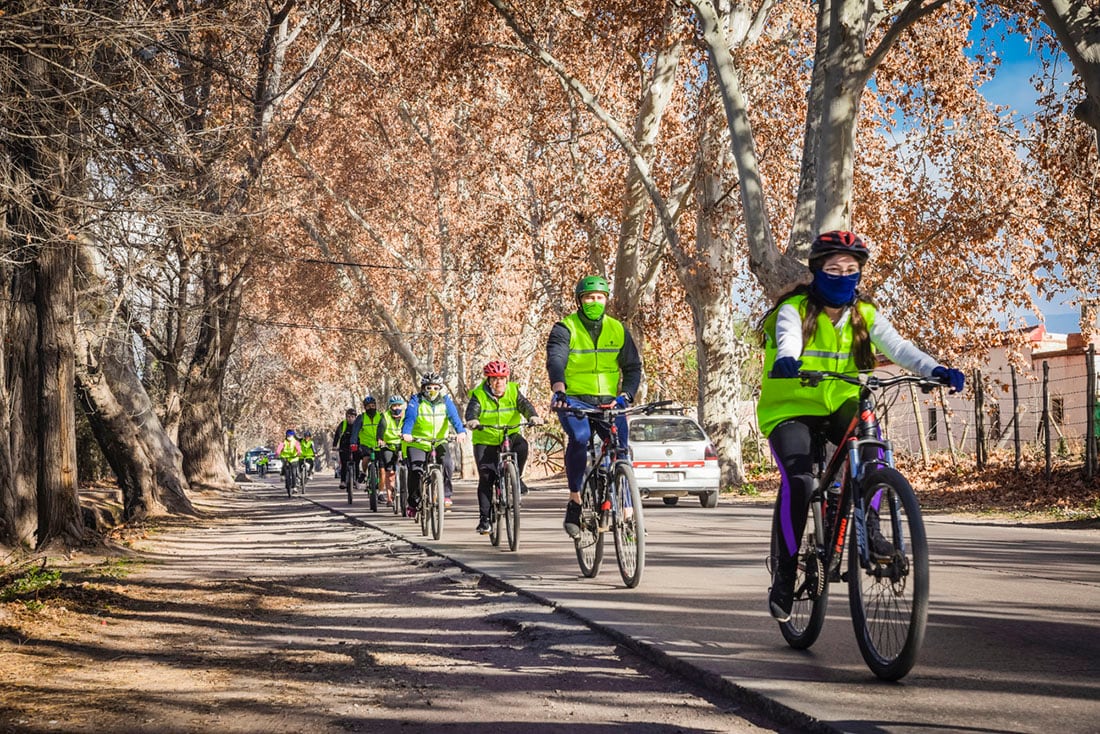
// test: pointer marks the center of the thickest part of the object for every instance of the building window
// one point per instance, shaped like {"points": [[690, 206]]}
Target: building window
{"points": [[933, 423]]}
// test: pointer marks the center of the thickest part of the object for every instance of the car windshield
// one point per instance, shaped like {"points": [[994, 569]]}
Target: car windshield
{"points": [[665, 429]]}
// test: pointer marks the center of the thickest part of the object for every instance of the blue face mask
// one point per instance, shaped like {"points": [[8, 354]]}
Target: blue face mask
{"points": [[835, 290], [593, 310]]}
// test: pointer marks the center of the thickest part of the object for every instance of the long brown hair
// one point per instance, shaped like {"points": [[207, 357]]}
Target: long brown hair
{"points": [[861, 335]]}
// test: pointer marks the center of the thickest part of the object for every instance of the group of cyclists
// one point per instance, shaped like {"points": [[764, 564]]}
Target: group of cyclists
{"points": [[592, 360]]}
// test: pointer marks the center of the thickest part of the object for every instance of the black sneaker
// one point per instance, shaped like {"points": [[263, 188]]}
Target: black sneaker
{"points": [[483, 527], [881, 548], [781, 594], [572, 522]]}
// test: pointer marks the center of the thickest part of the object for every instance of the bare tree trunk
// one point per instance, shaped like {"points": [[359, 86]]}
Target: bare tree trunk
{"points": [[20, 503], [201, 437], [59, 515]]}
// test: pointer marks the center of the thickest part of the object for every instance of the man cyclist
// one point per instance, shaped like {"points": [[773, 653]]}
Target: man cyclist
{"points": [[341, 439], [591, 360], [389, 439], [496, 402], [364, 434], [426, 419], [826, 325], [290, 451]]}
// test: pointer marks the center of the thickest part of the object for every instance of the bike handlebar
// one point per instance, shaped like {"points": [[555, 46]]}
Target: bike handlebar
{"points": [[610, 412], [812, 378]]}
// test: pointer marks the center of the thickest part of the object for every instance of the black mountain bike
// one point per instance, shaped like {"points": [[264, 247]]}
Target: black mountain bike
{"points": [[610, 499], [430, 511], [290, 476], [505, 494], [859, 497], [400, 482], [351, 475], [372, 477]]}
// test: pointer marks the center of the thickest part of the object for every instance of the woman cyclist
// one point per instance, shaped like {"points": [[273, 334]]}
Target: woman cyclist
{"points": [[426, 418], [497, 402], [826, 325], [389, 441]]}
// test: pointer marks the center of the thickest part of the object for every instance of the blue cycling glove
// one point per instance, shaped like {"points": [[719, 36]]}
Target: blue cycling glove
{"points": [[951, 377], [622, 401], [786, 367]]}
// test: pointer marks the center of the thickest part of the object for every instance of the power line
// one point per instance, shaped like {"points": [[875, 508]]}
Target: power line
{"points": [[358, 329]]}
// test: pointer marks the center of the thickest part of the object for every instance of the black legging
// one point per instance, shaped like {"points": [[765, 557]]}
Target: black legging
{"points": [[486, 459], [417, 458], [791, 446]]}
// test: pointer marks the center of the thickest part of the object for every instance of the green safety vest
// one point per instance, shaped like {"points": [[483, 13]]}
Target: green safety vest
{"points": [[391, 429], [593, 369], [290, 451], [496, 412], [368, 430], [784, 398], [431, 423], [307, 449]]}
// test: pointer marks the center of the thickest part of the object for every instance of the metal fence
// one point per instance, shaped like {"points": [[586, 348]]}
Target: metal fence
{"points": [[1040, 413]]}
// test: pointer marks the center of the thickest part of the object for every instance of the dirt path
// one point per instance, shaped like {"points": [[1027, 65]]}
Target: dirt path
{"points": [[267, 616]]}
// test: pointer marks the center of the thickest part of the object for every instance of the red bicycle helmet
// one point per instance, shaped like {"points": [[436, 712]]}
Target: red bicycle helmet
{"points": [[497, 368], [837, 241]]}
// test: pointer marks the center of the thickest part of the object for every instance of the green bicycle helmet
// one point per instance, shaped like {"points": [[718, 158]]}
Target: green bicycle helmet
{"points": [[591, 284]]}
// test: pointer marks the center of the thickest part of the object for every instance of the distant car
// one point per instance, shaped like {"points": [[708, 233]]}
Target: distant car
{"points": [[674, 458], [274, 463]]}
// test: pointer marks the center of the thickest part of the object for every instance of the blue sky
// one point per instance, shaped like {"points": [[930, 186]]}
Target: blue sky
{"points": [[1012, 87]]}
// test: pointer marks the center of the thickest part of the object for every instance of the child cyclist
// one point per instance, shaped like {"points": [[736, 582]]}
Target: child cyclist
{"points": [[826, 325], [389, 441]]}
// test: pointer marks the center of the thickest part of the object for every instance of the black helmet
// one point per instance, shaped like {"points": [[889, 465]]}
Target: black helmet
{"points": [[431, 378], [368, 400], [837, 241]]}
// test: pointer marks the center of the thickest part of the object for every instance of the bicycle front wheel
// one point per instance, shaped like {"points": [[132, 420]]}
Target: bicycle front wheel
{"points": [[435, 491], [811, 586], [629, 525], [372, 485], [510, 506], [589, 544], [400, 491], [888, 592]]}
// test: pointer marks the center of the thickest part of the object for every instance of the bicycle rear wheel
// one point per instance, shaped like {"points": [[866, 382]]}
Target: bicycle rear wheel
{"points": [[629, 525], [589, 543], [889, 600], [372, 485], [811, 586], [435, 488], [511, 504]]}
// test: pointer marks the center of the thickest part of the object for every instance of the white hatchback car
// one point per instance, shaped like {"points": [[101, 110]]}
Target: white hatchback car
{"points": [[673, 458]]}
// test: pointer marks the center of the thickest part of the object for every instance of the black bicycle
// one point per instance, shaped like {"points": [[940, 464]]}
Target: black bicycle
{"points": [[860, 497], [610, 499], [430, 511], [372, 477], [400, 480], [350, 472], [505, 496], [290, 476]]}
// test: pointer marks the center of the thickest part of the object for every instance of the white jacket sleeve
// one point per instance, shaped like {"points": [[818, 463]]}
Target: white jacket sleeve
{"points": [[788, 332], [900, 351]]}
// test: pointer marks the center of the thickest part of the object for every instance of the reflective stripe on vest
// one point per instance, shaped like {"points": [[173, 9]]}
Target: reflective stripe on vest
{"points": [[502, 412], [593, 369], [829, 349], [431, 423]]}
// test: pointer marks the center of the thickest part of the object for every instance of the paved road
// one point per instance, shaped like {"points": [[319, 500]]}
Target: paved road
{"points": [[1013, 641]]}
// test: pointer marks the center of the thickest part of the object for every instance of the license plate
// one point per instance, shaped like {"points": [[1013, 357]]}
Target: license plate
{"points": [[668, 476]]}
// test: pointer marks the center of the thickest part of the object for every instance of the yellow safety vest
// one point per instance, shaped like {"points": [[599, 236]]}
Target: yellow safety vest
{"points": [[829, 349], [496, 412], [593, 369]]}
